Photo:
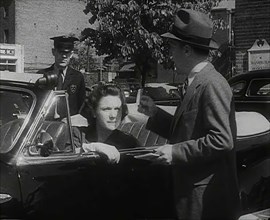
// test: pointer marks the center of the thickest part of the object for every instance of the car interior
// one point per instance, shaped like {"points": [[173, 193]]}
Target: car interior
{"points": [[8, 133]]}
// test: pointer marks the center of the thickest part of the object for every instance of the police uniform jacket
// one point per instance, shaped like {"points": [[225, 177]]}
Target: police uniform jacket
{"points": [[74, 84]]}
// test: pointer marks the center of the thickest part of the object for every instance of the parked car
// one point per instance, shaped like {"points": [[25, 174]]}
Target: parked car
{"points": [[163, 94], [123, 84], [45, 176], [252, 91]]}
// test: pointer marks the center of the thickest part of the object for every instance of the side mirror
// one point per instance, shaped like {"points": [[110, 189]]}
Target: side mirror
{"points": [[47, 81]]}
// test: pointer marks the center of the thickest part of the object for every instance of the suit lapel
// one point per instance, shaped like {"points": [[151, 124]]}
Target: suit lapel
{"points": [[180, 109], [191, 90]]}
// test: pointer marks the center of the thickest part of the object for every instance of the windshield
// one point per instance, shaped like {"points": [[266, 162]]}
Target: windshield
{"points": [[14, 108]]}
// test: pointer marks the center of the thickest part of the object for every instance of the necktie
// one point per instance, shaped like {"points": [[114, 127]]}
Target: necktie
{"points": [[59, 106], [60, 80], [183, 88]]}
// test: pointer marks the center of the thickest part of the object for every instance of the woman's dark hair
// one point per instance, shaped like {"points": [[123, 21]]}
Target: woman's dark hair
{"points": [[101, 90]]}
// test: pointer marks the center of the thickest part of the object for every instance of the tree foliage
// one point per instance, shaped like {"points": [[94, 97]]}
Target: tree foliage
{"points": [[132, 28], [83, 56]]}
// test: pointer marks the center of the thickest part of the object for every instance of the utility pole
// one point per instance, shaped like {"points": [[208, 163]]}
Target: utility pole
{"points": [[100, 58]]}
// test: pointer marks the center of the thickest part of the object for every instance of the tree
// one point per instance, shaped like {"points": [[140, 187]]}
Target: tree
{"points": [[132, 28], [84, 56]]}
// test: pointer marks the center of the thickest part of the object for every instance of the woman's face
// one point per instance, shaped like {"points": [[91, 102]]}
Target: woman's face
{"points": [[109, 112]]}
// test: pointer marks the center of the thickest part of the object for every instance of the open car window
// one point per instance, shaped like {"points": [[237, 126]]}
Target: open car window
{"points": [[54, 135], [15, 108]]}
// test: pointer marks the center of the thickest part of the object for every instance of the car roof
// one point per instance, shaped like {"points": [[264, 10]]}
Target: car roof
{"points": [[250, 75], [29, 78], [165, 86]]}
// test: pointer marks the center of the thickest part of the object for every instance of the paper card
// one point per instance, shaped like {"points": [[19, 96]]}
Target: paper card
{"points": [[148, 156]]}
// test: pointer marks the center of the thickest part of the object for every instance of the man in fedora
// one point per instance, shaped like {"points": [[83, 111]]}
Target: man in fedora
{"points": [[202, 131], [68, 78]]}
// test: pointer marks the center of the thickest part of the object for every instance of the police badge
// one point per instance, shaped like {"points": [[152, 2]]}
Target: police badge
{"points": [[73, 88]]}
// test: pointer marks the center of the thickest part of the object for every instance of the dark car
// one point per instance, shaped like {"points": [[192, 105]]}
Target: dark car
{"points": [[163, 94], [46, 175], [252, 91]]}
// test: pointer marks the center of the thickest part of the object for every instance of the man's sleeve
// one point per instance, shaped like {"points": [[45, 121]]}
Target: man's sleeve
{"points": [[160, 123]]}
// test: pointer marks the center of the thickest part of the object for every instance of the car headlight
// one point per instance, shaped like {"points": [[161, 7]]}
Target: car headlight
{"points": [[126, 93]]}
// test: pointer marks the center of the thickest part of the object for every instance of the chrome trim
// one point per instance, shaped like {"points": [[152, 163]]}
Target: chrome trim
{"points": [[263, 101], [4, 197], [69, 123]]}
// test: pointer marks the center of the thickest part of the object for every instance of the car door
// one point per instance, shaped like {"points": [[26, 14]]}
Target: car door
{"points": [[256, 97], [57, 179], [259, 93]]}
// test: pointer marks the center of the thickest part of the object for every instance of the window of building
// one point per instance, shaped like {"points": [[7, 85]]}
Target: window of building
{"points": [[6, 36], [6, 12], [8, 64]]}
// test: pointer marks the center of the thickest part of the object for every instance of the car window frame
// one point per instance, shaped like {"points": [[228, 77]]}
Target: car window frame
{"points": [[41, 118], [26, 119], [250, 84], [243, 91]]}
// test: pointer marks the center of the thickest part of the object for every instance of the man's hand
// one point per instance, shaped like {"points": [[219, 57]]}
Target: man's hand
{"points": [[110, 151], [165, 153], [147, 106]]}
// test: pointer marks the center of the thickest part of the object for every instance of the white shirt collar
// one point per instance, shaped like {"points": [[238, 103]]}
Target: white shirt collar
{"points": [[195, 70], [64, 71]]}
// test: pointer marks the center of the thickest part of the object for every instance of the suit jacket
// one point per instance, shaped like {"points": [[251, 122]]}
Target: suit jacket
{"points": [[203, 132], [75, 86]]}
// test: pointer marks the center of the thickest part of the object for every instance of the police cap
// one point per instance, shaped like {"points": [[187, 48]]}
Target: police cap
{"points": [[64, 43]]}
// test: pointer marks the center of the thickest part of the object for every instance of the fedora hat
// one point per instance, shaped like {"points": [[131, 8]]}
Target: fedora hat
{"points": [[194, 28]]}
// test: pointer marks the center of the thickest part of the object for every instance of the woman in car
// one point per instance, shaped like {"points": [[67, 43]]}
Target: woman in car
{"points": [[107, 110]]}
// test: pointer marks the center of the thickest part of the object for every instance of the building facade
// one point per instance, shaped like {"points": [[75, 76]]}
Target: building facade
{"points": [[7, 21], [252, 22], [31, 23]]}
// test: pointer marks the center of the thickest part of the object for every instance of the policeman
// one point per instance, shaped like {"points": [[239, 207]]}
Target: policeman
{"points": [[68, 79]]}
